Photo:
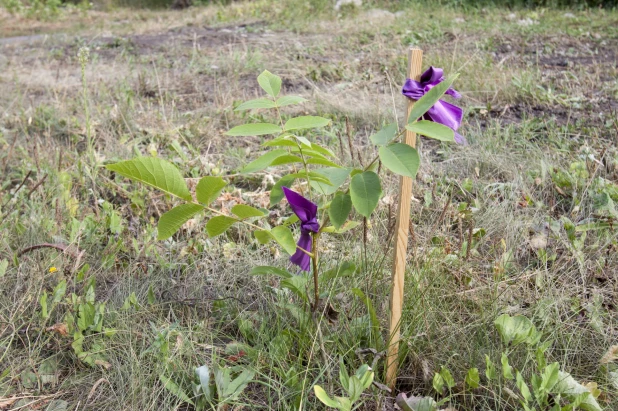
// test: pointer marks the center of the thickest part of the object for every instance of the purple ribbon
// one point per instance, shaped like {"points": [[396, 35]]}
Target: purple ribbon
{"points": [[307, 212], [441, 112]]}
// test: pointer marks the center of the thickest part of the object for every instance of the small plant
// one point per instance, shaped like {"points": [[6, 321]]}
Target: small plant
{"points": [[336, 189], [224, 390], [353, 385]]}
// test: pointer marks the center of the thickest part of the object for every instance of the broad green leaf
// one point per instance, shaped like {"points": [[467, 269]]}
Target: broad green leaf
{"points": [[254, 129], [262, 236], [171, 221], [269, 270], [385, 135], [567, 385], [517, 329], [438, 383], [208, 189], [304, 122], [507, 370], [297, 284], [219, 225], [276, 193], [415, 403], [171, 386], [400, 159], [448, 377], [203, 373], [86, 312], [523, 387], [490, 369], [263, 161], [286, 159], [365, 190], [549, 376], [59, 291], [336, 176], [237, 385], [245, 211], [322, 162], [154, 172], [284, 237], [340, 208], [322, 150], [433, 130], [270, 83], [430, 98], [472, 378], [257, 103], [289, 100], [322, 396]]}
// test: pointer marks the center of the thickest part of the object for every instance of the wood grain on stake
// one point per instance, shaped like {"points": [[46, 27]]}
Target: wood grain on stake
{"points": [[401, 238]]}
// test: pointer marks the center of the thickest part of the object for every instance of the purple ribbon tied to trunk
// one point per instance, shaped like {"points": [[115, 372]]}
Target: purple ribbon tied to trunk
{"points": [[442, 112], [307, 213]]}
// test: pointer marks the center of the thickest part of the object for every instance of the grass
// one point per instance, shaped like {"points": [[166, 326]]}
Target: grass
{"points": [[540, 120]]}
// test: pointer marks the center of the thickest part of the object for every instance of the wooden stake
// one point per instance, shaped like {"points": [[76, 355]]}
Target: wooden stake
{"points": [[401, 236]]}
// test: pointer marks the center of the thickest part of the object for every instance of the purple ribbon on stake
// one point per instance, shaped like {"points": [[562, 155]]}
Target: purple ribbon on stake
{"points": [[307, 212], [441, 112]]}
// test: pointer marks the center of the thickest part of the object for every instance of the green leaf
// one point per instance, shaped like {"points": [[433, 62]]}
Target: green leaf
{"points": [[304, 122], [270, 83], [448, 377], [507, 370], [154, 172], [262, 236], [340, 208], [59, 291], [171, 386], [257, 103], [335, 175], [270, 270], [286, 159], [276, 193], [289, 100], [254, 129], [208, 189], [365, 190], [297, 284], [203, 374], [430, 98], [245, 211], [263, 161], [568, 386], [322, 162], [523, 387], [472, 378], [400, 159], [151, 295], [237, 385], [322, 396], [438, 383], [433, 130], [385, 135], [219, 225], [313, 176], [490, 369], [86, 312], [345, 269], [517, 329], [284, 237], [171, 221]]}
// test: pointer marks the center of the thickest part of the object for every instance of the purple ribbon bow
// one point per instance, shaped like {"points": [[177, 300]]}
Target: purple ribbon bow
{"points": [[441, 112], [306, 211]]}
